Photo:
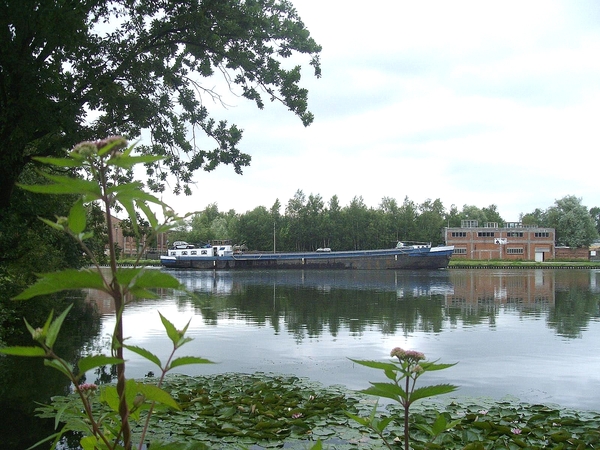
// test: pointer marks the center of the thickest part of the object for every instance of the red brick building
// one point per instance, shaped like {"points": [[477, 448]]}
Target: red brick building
{"points": [[130, 248], [514, 241]]}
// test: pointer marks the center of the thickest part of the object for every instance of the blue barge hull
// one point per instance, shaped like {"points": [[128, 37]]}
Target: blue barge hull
{"points": [[406, 258]]}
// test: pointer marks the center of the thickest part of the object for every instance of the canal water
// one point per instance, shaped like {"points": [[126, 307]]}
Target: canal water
{"points": [[530, 334]]}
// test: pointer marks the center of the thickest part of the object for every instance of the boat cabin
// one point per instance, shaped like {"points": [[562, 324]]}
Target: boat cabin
{"points": [[215, 248]]}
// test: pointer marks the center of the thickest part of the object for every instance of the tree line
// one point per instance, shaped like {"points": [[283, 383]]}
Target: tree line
{"points": [[309, 222]]}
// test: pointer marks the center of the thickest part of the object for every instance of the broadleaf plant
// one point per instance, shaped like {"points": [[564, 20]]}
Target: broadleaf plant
{"points": [[99, 172], [401, 388]]}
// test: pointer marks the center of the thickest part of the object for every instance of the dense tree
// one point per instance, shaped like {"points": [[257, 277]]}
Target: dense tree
{"points": [[572, 221], [537, 217], [408, 216], [333, 223], [492, 215], [357, 221], [308, 224], [430, 221], [595, 213], [83, 69], [256, 229]]}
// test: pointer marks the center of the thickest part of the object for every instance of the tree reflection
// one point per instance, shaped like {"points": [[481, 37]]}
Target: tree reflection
{"points": [[309, 304], [25, 382]]}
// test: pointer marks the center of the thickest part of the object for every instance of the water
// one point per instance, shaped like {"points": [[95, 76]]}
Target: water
{"points": [[529, 334]]}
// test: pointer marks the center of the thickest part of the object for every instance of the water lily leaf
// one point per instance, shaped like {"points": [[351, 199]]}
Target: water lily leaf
{"points": [[190, 445]]}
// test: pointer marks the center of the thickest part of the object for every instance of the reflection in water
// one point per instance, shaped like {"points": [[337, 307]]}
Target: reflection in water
{"points": [[522, 332], [26, 382]]}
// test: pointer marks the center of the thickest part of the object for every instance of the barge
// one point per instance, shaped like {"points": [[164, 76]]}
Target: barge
{"points": [[224, 255]]}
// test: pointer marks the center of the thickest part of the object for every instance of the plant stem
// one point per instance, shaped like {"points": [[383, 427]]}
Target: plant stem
{"points": [[119, 303], [406, 407]]}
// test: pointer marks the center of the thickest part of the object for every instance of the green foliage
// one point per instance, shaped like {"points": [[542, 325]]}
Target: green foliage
{"points": [[133, 65], [217, 411], [102, 164], [401, 388], [575, 226], [236, 410]]}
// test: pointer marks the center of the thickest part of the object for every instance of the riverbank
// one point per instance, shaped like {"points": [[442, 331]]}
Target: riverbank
{"points": [[499, 264]]}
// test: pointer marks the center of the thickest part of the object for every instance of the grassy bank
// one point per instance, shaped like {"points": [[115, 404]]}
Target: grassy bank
{"points": [[500, 264]]}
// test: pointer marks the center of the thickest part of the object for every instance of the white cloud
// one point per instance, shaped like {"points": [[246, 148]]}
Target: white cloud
{"points": [[471, 102]]}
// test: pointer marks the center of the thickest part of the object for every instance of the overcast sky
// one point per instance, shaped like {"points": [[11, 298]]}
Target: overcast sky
{"points": [[471, 102]]}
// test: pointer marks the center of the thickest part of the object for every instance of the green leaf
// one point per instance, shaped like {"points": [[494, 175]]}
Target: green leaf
{"points": [[58, 162], [386, 390], [129, 190], [156, 394], [77, 217], [431, 366], [56, 364], [54, 225], [23, 351], [88, 442], [153, 278], [426, 429], [375, 364], [145, 354], [171, 330], [55, 436], [127, 162], [185, 360], [152, 220], [55, 326], [382, 424], [193, 445], [32, 330], [430, 391], [360, 420], [51, 283], [109, 396], [66, 185], [91, 362]]}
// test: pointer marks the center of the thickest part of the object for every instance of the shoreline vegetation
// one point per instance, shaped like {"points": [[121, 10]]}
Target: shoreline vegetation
{"points": [[500, 264], [267, 410], [461, 264]]}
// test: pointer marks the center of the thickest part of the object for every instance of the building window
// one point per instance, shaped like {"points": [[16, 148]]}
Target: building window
{"points": [[469, 223], [542, 234], [514, 251], [460, 251], [459, 234], [486, 234], [514, 234]]}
